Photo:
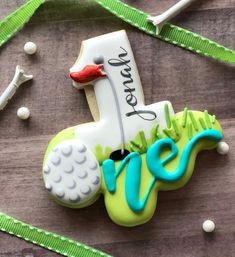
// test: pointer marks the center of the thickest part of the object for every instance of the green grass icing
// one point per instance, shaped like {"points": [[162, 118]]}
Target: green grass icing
{"points": [[180, 127]]}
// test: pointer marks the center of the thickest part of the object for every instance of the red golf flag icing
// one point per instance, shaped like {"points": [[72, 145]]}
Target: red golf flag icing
{"points": [[88, 74]]}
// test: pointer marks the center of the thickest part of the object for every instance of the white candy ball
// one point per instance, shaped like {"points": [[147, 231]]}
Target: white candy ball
{"points": [[23, 113], [208, 226], [222, 148], [30, 48]]}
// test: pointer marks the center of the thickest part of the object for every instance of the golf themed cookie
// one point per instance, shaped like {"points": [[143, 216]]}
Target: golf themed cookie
{"points": [[131, 151]]}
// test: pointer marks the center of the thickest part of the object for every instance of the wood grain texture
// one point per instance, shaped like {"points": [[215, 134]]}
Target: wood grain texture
{"points": [[167, 72]]}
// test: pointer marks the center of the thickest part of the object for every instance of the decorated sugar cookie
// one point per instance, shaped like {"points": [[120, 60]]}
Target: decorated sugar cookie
{"points": [[131, 150]]}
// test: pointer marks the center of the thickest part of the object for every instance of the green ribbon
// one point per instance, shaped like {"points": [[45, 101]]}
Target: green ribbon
{"points": [[53, 242], [16, 20], [169, 33]]}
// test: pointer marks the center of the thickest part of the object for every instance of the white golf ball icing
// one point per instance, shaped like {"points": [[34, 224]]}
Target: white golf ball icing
{"points": [[72, 173]]}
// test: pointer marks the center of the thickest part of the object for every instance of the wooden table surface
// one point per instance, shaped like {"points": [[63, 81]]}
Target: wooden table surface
{"points": [[167, 72]]}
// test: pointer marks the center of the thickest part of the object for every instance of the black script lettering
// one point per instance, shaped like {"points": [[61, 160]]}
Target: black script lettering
{"points": [[143, 114], [131, 100]]}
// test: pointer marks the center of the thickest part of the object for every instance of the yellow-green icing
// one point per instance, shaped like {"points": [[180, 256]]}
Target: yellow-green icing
{"points": [[180, 128], [132, 164], [116, 203]]}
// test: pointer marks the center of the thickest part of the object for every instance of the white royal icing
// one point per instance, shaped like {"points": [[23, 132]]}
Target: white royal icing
{"points": [[71, 170], [115, 49]]}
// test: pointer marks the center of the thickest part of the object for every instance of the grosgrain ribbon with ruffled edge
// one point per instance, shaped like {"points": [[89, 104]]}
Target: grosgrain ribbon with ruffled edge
{"points": [[53, 242], [169, 33], [16, 20]]}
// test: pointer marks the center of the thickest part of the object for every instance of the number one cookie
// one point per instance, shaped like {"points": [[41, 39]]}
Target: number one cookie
{"points": [[132, 150]]}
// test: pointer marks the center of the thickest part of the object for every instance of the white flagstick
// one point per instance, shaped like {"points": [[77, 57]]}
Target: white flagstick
{"points": [[19, 78], [161, 19]]}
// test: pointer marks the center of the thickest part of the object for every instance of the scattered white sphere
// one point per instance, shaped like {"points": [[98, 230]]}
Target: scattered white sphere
{"points": [[30, 48], [23, 113], [222, 148], [208, 226]]}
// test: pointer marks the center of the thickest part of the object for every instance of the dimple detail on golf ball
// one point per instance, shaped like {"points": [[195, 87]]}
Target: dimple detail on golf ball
{"points": [[48, 186], [67, 151], [47, 169], [55, 149], [73, 173], [95, 180], [60, 192], [57, 178], [74, 198], [71, 184], [69, 168], [85, 190], [94, 166], [81, 148], [80, 159], [82, 174], [55, 160]]}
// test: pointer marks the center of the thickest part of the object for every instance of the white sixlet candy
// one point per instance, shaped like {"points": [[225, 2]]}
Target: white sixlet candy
{"points": [[208, 226], [23, 113], [30, 48], [222, 148]]}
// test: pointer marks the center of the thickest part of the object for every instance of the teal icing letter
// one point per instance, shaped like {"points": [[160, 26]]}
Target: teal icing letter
{"points": [[132, 182], [156, 165]]}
